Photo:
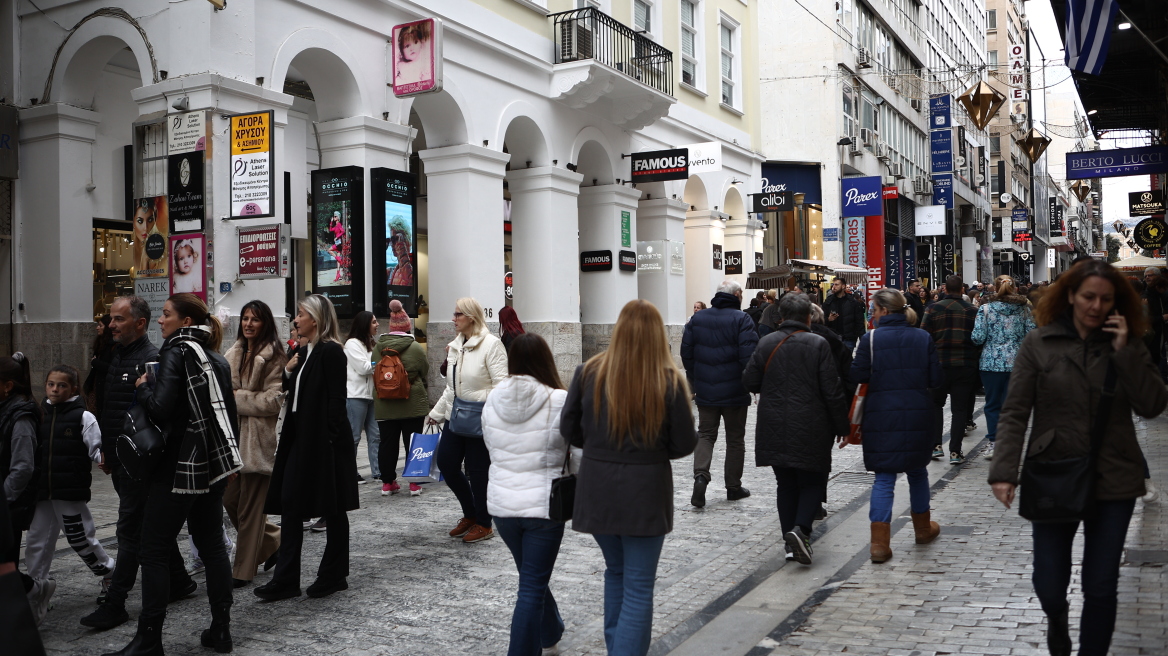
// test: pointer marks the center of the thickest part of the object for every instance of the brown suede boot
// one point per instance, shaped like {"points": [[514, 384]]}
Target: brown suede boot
{"points": [[881, 536], [926, 530]]}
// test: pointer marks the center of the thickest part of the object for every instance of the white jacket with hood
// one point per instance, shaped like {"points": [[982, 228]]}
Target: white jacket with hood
{"points": [[521, 427], [476, 366]]}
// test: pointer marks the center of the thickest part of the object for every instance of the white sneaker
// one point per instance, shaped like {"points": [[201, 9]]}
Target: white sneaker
{"points": [[196, 567], [554, 650], [38, 599], [989, 452], [1153, 492]]}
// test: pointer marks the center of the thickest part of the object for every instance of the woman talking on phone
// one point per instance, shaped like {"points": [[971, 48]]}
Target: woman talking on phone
{"points": [[1080, 375]]}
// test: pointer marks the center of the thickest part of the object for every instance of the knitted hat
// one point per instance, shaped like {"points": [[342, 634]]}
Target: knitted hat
{"points": [[399, 321]]}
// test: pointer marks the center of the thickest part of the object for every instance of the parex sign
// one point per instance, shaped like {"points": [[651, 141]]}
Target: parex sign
{"points": [[861, 196]]}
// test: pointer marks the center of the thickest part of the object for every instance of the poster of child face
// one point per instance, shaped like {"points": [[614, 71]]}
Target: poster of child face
{"points": [[151, 223], [334, 247], [417, 57], [188, 270], [399, 244]]}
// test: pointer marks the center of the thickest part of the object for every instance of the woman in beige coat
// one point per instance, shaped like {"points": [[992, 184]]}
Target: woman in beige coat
{"points": [[257, 361]]}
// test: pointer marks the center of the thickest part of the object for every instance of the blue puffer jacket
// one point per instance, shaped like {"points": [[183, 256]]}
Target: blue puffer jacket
{"points": [[715, 348], [1001, 325], [898, 412]]}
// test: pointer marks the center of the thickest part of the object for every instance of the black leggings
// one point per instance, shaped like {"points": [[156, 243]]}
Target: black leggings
{"points": [[453, 450], [798, 495], [395, 432]]}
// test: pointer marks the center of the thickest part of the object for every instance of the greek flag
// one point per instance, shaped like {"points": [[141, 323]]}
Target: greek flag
{"points": [[1089, 24]]}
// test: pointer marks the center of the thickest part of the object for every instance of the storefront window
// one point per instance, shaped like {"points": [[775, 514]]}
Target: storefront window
{"points": [[113, 256]]}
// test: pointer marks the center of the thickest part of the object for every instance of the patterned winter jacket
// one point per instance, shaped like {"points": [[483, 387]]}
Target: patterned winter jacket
{"points": [[1000, 327]]}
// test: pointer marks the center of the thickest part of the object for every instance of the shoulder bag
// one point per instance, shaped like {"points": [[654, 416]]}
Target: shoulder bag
{"points": [[466, 417], [141, 444], [772, 355], [856, 413], [563, 495], [1064, 490]]}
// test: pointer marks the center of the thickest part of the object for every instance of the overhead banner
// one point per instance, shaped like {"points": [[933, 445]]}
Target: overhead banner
{"points": [[338, 221], [253, 187], [658, 165], [186, 191], [941, 146], [188, 271], [395, 238], [1145, 203], [417, 57], [1117, 163], [940, 112], [264, 252], [930, 220], [943, 190], [861, 196], [704, 157], [151, 225]]}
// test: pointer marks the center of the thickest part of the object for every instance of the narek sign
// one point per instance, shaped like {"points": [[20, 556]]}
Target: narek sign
{"points": [[252, 183], [1117, 163]]}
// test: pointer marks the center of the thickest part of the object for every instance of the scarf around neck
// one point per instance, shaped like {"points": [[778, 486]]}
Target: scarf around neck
{"points": [[209, 451]]}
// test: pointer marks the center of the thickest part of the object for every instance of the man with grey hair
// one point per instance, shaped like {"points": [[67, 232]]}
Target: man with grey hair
{"points": [[129, 317], [715, 347], [802, 410]]}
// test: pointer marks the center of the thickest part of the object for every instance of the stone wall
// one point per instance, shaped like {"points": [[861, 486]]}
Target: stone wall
{"points": [[564, 339], [49, 344]]}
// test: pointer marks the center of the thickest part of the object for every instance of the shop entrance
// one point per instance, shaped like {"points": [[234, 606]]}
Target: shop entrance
{"points": [[113, 259]]}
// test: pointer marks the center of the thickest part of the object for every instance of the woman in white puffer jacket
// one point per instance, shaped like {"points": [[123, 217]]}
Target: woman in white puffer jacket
{"points": [[521, 428]]}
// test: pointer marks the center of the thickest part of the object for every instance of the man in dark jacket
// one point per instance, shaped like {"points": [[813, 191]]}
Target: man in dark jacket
{"points": [[913, 296], [714, 348], [844, 314], [129, 317], [950, 322], [801, 408]]}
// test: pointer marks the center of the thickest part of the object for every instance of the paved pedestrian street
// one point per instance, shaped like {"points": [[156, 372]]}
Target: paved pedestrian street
{"points": [[723, 586]]}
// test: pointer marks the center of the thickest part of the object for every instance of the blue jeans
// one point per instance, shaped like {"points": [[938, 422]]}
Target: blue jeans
{"points": [[995, 383], [629, 574], [882, 494], [1103, 538], [361, 416], [534, 543]]}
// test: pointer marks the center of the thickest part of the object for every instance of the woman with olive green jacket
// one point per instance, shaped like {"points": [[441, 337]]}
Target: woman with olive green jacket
{"points": [[398, 419]]}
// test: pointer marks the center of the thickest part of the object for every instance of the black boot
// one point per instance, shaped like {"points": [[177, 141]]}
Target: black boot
{"points": [[699, 494], [1058, 634], [147, 642], [219, 635]]}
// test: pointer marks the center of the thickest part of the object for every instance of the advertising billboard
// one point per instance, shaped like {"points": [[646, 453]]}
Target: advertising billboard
{"points": [[337, 225], [253, 188], [188, 267], [395, 239], [151, 225], [417, 57]]}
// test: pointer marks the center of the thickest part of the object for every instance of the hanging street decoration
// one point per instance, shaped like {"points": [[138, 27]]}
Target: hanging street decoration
{"points": [[1034, 145], [982, 102], [1081, 189]]}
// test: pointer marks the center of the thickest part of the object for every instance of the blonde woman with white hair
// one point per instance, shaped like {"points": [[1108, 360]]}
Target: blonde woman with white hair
{"points": [[315, 474], [478, 362]]}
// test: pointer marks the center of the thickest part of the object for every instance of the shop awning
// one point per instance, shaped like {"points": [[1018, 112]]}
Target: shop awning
{"points": [[1138, 263], [770, 278], [851, 275]]}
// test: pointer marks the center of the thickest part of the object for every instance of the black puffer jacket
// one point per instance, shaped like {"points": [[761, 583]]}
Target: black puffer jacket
{"points": [[715, 346], [62, 456], [850, 323], [841, 353], [801, 405], [119, 392]]}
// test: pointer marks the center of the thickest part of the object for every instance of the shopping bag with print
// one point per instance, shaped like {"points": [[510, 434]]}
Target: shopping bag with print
{"points": [[422, 460]]}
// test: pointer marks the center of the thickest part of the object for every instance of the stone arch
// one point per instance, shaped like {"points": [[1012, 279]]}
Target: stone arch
{"points": [[733, 204], [592, 149], [524, 139], [80, 58], [695, 193], [330, 68], [442, 117]]}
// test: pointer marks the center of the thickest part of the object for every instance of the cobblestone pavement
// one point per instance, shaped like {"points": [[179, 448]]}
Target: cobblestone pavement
{"points": [[414, 590]]}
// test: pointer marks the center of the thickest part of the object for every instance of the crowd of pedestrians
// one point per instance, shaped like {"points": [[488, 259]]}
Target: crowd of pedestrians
{"points": [[269, 429]]}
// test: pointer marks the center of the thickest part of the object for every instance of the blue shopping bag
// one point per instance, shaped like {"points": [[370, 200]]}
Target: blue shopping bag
{"points": [[422, 459]]}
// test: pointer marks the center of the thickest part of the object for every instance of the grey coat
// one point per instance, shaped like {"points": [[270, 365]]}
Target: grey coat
{"points": [[624, 490], [801, 405]]}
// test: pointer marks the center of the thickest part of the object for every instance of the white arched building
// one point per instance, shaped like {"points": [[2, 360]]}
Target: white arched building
{"points": [[521, 158]]}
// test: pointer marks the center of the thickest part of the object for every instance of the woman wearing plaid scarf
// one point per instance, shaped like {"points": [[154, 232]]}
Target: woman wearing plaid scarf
{"points": [[190, 400]]}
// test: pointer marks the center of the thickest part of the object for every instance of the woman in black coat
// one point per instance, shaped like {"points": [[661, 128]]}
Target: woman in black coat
{"points": [[316, 468], [200, 427]]}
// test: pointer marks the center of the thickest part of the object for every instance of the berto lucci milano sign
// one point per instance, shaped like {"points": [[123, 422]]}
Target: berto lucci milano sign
{"points": [[1117, 163]]}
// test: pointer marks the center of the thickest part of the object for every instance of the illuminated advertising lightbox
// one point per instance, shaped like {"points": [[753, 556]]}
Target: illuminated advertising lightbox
{"points": [[395, 243], [338, 222]]}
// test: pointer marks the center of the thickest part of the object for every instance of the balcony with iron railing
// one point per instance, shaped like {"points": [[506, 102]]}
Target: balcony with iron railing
{"points": [[605, 67]]}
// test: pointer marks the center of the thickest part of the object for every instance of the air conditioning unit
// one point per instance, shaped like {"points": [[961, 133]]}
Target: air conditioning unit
{"points": [[575, 41], [915, 103], [868, 137], [923, 186], [1005, 256], [882, 152], [863, 60], [855, 149], [897, 170]]}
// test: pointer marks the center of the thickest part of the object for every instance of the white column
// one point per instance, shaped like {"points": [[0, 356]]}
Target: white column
{"points": [[56, 262], [703, 229], [369, 143], [465, 196], [604, 293], [739, 236], [663, 219], [544, 230], [969, 248]]}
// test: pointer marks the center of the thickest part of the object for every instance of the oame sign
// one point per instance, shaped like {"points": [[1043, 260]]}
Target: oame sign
{"points": [[1117, 163], [861, 196]]}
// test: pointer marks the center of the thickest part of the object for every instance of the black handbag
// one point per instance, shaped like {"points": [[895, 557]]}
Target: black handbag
{"points": [[1064, 490], [563, 495], [141, 444], [466, 417]]}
